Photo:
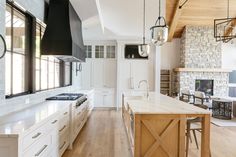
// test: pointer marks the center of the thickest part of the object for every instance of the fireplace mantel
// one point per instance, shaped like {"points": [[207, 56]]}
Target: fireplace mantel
{"points": [[218, 70]]}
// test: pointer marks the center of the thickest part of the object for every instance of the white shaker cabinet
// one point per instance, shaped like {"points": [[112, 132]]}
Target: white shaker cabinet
{"points": [[139, 71], [109, 73], [104, 98], [97, 73], [86, 74]]}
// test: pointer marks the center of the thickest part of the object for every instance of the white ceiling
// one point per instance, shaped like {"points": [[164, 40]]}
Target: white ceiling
{"points": [[116, 19]]}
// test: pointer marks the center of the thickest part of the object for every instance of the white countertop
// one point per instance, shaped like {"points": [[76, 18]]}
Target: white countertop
{"points": [[161, 104], [18, 123]]}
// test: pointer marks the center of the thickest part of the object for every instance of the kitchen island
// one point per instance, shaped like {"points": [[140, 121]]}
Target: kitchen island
{"points": [[156, 126]]}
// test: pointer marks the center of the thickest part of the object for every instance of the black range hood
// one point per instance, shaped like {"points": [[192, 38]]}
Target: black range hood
{"points": [[63, 35]]}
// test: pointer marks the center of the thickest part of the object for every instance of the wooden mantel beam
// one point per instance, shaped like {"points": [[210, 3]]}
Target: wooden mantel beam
{"points": [[230, 29], [174, 22]]}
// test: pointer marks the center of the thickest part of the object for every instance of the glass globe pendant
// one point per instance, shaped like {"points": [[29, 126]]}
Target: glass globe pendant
{"points": [[159, 32], [144, 49]]}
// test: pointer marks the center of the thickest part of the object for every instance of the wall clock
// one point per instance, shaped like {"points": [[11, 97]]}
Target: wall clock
{"points": [[3, 48]]}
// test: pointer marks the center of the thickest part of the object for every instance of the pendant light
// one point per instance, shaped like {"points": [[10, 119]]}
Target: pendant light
{"points": [[159, 32], [224, 28], [144, 49]]}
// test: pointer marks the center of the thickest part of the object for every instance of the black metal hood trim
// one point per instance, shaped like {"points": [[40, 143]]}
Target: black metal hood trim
{"points": [[63, 35]]}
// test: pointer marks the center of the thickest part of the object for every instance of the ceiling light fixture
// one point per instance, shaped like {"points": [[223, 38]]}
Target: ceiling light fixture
{"points": [[144, 49], [159, 32], [224, 29]]}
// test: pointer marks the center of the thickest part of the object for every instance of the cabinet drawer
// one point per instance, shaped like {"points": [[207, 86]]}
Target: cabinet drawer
{"points": [[64, 143], [40, 149], [64, 119], [65, 113], [64, 126], [35, 135]]}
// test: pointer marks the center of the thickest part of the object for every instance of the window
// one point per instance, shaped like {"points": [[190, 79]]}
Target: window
{"points": [[47, 69], [16, 56], [111, 51], [88, 50], [67, 74], [99, 51], [26, 71]]}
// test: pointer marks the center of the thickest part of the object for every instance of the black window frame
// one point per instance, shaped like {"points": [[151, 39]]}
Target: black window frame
{"points": [[30, 50], [13, 9]]}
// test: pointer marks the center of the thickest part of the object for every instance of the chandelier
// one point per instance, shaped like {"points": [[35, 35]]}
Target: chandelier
{"points": [[224, 29]]}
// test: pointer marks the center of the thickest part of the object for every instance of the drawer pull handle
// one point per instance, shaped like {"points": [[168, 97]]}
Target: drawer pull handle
{"points": [[41, 150], [63, 145], [65, 113], [37, 135], [54, 121], [62, 128]]}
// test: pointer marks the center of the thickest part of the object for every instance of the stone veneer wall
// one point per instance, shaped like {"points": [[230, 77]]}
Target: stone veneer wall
{"points": [[199, 48], [187, 81]]}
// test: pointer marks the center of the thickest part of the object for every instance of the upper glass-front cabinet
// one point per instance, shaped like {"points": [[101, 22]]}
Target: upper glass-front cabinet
{"points": [[110, 51], [88, 50], [100, 51]]}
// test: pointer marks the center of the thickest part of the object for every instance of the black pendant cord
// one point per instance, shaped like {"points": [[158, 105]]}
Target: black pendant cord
{"points": [[144, 20]]}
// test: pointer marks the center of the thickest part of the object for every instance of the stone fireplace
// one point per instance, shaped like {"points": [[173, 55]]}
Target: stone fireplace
{"points": [[201, 58]]}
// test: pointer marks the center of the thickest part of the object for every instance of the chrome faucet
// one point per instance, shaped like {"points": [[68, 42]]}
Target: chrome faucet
{"points": [[147, 89]]}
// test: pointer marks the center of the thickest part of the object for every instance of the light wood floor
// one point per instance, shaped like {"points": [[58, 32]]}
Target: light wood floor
{"points": [[104, 136]]}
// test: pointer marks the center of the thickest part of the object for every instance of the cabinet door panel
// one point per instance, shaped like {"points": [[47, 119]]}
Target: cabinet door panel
{"points": [[110, 73], [87, 74], [98, 73], [109, 100], [98, 99], [125, 75], [139, 71]]}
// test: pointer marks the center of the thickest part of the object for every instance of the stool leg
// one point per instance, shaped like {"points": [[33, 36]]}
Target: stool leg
{"points": [[187, 139], [195, 137]]}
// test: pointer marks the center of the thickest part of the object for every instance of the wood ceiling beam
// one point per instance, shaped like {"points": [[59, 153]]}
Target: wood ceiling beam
{"points": [[230, 29], [174, 21]]}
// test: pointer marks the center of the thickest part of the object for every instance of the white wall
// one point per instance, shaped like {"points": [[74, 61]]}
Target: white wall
{"points": [[170, 54], [229, 56]]}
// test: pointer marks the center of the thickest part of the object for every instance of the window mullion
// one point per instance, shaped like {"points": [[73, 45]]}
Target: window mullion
{"points": [[11, 50]]}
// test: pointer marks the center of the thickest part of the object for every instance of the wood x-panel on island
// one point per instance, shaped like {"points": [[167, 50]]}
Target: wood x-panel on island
{"points": [[159, 136]]}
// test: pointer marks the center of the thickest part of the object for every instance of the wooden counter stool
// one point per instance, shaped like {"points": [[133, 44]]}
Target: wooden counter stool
{"points": [[190, 122]]}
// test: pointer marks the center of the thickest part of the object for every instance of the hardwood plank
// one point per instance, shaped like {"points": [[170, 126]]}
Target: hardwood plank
{"points": [[105, 128], [103, 136]]}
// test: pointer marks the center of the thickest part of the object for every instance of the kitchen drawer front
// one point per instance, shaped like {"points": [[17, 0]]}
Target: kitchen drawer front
{"points": [[64, 126], [64, 143], [65, 114], [40, 149], [64, 118], [77, 123], [35, 135]]}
